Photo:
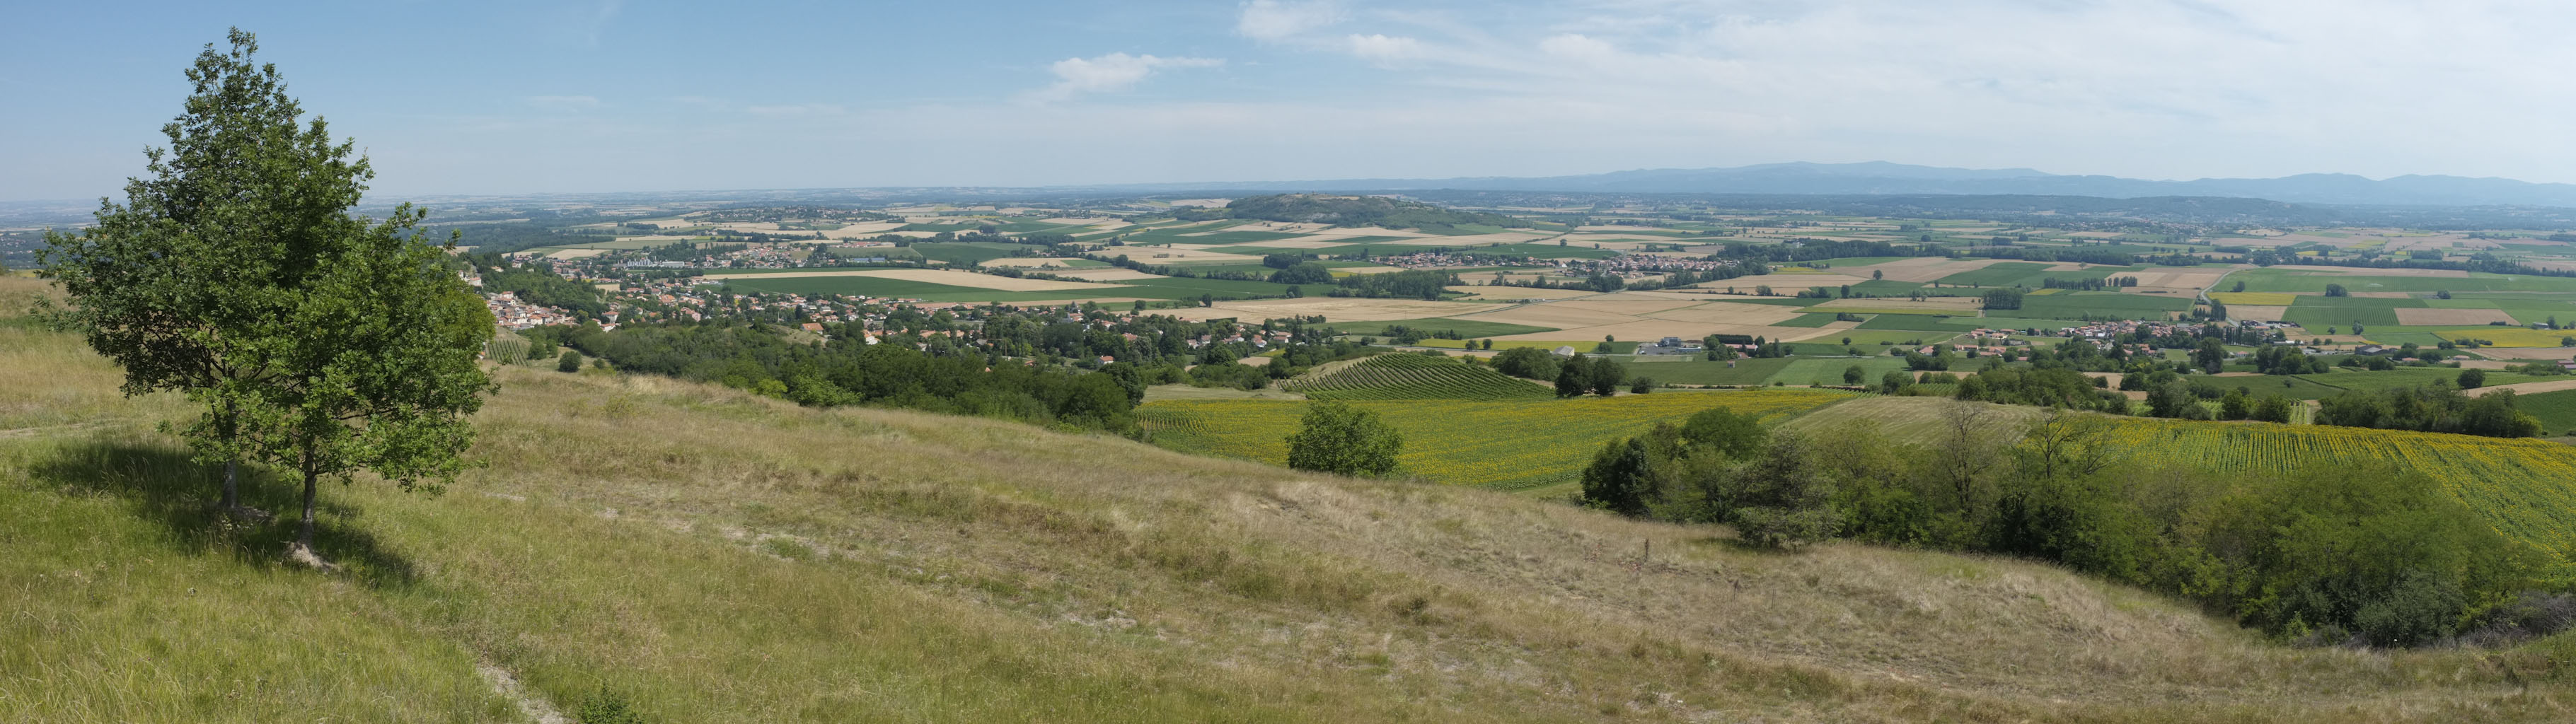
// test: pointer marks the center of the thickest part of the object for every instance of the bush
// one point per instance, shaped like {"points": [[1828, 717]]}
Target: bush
{"points": [[606, 708], [569, 362], [1340, 439]]}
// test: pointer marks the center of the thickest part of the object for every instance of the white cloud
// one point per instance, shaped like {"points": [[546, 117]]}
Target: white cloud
{"points": [[1385, 48], [1275, 20], [1112, 72]]}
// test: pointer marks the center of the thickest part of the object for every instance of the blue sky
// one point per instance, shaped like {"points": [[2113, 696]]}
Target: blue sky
{"points": [[638, 95]]}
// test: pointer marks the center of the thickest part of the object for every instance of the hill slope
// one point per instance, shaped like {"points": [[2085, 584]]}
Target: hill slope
{"points": [[715, 557]]}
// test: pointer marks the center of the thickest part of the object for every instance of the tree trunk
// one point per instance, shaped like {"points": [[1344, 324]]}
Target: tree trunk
{"points": [[304, 534], [232, 487]]}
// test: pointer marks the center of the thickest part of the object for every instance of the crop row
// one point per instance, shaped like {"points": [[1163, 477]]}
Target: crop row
{"points": [[1416, 377], [2526, 488]]}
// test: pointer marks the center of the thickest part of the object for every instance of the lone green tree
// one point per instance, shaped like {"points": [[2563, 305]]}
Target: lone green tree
{"points": [[318, 341], [1340, 439], [569, 362], [212, 244]]}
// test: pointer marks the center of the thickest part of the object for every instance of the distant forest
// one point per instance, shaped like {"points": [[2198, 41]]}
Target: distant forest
{"points": [[1350, 211]]}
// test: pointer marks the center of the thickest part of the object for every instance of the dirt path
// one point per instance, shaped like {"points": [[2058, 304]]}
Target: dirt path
{"points": [[508, 686]]}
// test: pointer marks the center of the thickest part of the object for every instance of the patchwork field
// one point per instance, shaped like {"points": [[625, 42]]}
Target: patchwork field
{"points": [[930, 276]]}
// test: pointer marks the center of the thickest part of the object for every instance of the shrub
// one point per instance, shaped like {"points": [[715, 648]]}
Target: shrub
{"points": [[606, 708]]}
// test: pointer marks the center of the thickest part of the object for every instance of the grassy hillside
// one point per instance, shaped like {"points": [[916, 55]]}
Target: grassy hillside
{"points": [[710, 556]]}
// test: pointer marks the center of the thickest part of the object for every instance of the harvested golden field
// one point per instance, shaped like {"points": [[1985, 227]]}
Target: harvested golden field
{"points": [[2452, 317], [2252, 299], [1960, 306]]}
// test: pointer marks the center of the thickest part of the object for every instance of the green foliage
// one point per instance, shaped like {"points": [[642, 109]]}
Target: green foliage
{"points": [[1303, 273], [1526, 362], [317, 340], [605, 707], [1340, 439], [1619, 477], [1574, 376], [569, 362], [2003, 299], [2377, 552], [2433, 408], [2472, 378], [1603, 376]]}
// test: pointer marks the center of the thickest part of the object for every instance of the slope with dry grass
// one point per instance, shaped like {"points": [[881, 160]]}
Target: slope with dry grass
{"points": [[712, 556]]}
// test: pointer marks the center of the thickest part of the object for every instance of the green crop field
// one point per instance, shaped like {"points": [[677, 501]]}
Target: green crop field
{"points": [[2556, 410], [2101, 304], [2317, 313], [2409, 377], [1810, 319], [1406, 376], [1829, 370], [966, 253], [1694, 370], [2277, 280], [1999, 274], [1922, 322], [1509, 445]]}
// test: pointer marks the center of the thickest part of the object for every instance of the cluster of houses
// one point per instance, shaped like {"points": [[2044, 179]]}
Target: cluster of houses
{"points": [[513, 313]]}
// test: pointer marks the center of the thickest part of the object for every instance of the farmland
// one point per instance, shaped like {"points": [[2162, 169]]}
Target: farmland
{"points": [[1415, 377], [1504, 445]]}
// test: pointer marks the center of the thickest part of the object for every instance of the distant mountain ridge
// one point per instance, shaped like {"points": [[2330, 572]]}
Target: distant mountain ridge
{"points": [[1884, 178]]}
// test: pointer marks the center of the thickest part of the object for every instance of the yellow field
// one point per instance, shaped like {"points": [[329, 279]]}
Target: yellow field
{"points": [[2510, 336], [2267, 299], [1510, 445]]}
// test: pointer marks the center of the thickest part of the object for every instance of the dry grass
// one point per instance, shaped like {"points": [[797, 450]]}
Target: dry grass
{"points": [[721, 557]]}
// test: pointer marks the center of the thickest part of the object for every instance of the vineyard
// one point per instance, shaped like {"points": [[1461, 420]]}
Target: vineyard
{"points": [[1512, 445], [1414, 377]]}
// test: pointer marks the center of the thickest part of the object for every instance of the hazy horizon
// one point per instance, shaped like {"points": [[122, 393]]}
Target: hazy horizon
{"points": [[611, 96]]}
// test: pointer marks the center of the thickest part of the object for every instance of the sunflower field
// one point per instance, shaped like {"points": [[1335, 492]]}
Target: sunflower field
{"points": [[1504, 444]]}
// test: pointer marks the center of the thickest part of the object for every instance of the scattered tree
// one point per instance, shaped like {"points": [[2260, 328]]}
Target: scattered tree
{"points": [[1343, 440]]}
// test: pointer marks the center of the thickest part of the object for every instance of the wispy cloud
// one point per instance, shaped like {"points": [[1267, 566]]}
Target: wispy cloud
{"points": [[1112, 72], [1275, 20], [596, 21]]}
